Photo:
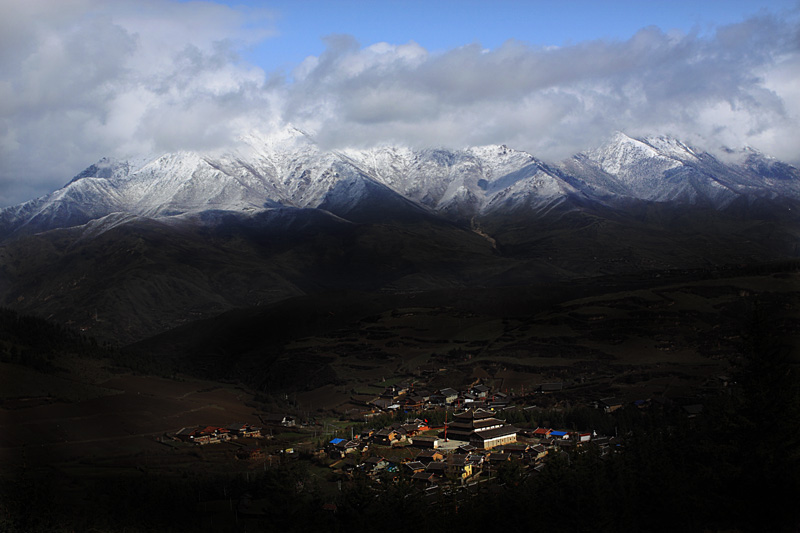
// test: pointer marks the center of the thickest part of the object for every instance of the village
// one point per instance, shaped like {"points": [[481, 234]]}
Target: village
{"points": [[472, 444]]}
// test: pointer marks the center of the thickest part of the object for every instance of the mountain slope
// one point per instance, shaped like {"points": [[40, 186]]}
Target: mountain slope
{"points": [[291, 170], [662, 169], [124, 279], [130, 248]]}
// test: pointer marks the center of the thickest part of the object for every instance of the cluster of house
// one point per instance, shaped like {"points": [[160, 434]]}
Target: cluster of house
{"points": [[478, 427], [407, 398], [428, 466], [214, 434], [483, 444]]}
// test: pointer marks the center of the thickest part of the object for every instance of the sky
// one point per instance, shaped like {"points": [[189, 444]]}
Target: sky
{"points": [[85, 79]]}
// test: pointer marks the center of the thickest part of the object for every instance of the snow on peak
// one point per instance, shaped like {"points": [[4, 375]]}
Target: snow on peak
{"points": [[625, 156], [287, 168]]}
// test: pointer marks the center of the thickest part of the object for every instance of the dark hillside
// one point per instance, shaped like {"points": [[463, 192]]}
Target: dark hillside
{"points": [[40, 344]]}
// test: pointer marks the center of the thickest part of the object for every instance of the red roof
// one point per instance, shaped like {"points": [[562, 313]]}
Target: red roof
{"points": [[542, 431], [213, 429]]}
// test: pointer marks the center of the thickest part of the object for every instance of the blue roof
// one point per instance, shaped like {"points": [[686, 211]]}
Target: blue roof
{"points": [[335, 441], [558, 433]]}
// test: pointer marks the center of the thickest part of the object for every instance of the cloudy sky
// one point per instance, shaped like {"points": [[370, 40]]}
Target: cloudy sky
{"points": [[83, 79]]}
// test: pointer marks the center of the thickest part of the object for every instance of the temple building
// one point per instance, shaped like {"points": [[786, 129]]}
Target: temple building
{"points": [[466, 424]]}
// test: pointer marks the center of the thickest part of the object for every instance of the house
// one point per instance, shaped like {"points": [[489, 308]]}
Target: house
{"points": [[374, 464], [542, 433], [468, 397], [346, 465], [496, 458], [385, 436], [354, 446], [335, 448], [436, 399], [480, 390], [426, 456], [415, 427], [425, 394], [204, 435], [498, 405], [559, 434], [450, 395], [610, 405], [603, 442], [458, 467], [223, 434], [538, 452], [515, 449], [186, 434], [422, 441], [412, 467], [389, 392], [244, 431], [437, 468], [202, 438], [565, 444], [476, 460], [278, 420], [251, 432], [235, 429], [464, 449], [384, 404], [427, 478], [412, 403], [490, 438]]}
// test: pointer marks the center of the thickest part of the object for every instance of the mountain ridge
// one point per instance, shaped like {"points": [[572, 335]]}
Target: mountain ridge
{"points": [[292, 171], [128, 249]]}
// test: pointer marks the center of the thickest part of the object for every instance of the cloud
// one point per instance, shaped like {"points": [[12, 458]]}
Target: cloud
{"points": [[735, 87], [83, 79]]}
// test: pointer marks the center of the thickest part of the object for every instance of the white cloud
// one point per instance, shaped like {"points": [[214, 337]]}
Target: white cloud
{"points": [[84, 79], [736, 87], [81, 79]]}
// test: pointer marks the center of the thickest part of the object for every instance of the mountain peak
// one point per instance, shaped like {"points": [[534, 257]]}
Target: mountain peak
{"points": [[287, 168]]}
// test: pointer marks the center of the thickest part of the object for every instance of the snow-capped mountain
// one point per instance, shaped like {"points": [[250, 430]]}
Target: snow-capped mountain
{"points": [[663, 169], [290, 170], [129, 248]]}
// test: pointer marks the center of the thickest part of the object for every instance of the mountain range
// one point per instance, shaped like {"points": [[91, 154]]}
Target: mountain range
{"points": [[128, 248], [290, 170]]}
